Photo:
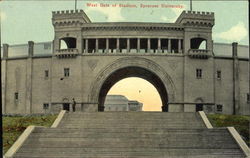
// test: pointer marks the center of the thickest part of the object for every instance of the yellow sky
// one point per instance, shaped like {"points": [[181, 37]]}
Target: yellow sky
{"points": [[135, 88]]}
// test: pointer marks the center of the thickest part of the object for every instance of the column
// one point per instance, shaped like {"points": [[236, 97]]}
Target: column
{"points": [[31, 48], [236, 87], [29, 73], [96, 45], [79, 43], [5, 51], [179, 45], [86, 45], [159, 45], [107, 45], [148, 45], [138, 45], [117, 45], [169, 45], [128, 45], [4, 76]]}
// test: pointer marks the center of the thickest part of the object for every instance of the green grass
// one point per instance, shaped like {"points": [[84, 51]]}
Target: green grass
{"points": [[239, 122], [14, 126]]}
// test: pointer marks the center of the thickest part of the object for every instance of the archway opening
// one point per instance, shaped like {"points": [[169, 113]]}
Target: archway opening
{"points": [[133, 94], [198, 43], [127, 72], [67, 43]]}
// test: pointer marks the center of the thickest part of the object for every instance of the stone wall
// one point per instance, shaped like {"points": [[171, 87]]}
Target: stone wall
{"points": [[84, 70]]}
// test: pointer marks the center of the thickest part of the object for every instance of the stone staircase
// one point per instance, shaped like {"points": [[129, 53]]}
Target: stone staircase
{"points": [[146, 120], [130, 135]]}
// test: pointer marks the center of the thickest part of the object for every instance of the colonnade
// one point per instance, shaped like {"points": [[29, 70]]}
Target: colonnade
{"points": [[132, 45]]}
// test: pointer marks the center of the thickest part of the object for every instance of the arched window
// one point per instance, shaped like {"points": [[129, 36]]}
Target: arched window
{"points": [[198, 43], [67, 43]]}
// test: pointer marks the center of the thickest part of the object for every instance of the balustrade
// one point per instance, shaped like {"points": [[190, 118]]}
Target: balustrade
{"points": [[199, 53], [65, 53]]}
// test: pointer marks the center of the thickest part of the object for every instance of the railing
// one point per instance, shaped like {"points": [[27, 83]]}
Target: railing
{"points": [[56, 107], [66, 53], [134, 51], [199, 53]]}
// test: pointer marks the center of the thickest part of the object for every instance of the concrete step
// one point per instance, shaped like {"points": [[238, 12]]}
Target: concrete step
{"points": [[133, 115], [174, 138], [130, 135], [138, 115], [108, 122], [128, 143], [121, 134], [128, 130], [131, 119], [135, 154], [181, 125], [161, 150], [131, 156]]}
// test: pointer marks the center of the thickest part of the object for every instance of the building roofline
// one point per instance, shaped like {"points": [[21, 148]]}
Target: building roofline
{"points": [[23, 44], [220, 43], [215, 43], [135, 24]]}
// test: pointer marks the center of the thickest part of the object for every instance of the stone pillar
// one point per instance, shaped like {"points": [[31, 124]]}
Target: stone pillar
{"points": [[79, 42], [138, 45], [159, 45], [56, 44], [101, 108], [236, 88], [5, 51], [29, 71], [4, 76], [107, 45], [96, 45], [86, 45], [164, 108], [31, 48], [148, 45], [234, 49], [128, 45], [169, 46], [117, 45], [179, 45]]}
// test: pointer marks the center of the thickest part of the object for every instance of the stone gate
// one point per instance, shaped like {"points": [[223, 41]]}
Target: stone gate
{"points": [[87, 58]]}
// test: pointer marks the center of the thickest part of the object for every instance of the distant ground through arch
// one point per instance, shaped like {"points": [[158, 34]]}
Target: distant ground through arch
{"points": [[135, 88]]}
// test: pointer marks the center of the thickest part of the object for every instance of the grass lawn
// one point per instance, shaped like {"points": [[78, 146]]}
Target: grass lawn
{"points": [[14, 126], [240, 123]]}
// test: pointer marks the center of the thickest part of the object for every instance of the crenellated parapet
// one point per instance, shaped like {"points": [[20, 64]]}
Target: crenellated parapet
{"points": [[68, 17], [196, 18]]}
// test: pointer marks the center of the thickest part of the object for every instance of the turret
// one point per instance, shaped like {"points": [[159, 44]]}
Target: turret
{"points": [[68, 39], [198, 33], [196, 18], [69, 17]]}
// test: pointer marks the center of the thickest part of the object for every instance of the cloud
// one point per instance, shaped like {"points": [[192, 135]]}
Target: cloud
{"points": [[176, 11], [235, 33], [164, 18], [2, 15], [112, 14]]}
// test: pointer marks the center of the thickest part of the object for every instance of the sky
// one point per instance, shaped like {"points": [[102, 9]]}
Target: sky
{"points": [[22, 21]]}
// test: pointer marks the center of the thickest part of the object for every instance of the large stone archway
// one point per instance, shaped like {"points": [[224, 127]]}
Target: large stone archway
{"points": [[132, 67]]}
